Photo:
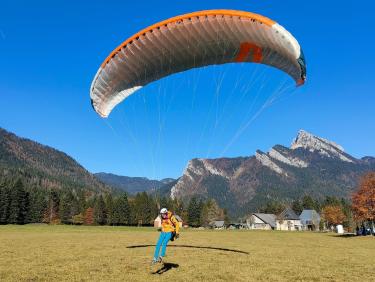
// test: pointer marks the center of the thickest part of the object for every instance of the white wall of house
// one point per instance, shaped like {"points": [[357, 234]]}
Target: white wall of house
{"points": [[256, 223], [288, 225]]}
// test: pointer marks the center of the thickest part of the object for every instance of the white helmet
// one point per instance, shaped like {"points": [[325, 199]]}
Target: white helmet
{"points": [[163, 210]]}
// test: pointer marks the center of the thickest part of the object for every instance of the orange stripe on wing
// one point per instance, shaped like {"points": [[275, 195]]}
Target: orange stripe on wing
{"points": [[245, 49], [243, 14]]}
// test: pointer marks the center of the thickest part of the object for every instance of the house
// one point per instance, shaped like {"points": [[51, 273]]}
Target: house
{"points": [[236, 225], [310, 220], [157, 221], [288, 220], [262, 221], [217, 224]]}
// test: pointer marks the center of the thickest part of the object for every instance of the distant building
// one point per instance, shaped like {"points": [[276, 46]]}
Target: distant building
{"points": [[288, 220], [217, 224], [310, 220], [261, 221], [236, 225]]}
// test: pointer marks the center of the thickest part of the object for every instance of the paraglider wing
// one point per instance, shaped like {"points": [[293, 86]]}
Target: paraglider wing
{"points": [[189, 41]]}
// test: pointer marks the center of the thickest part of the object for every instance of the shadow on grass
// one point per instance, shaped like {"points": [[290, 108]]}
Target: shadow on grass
{"points": [[193, 247], [346, 235], [350, 235], [166, 267]]}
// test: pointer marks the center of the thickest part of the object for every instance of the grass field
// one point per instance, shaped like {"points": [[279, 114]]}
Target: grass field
{"points": [[61, 253]]}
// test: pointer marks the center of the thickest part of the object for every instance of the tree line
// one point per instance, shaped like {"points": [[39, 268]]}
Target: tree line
{"points": [[20, 204]]}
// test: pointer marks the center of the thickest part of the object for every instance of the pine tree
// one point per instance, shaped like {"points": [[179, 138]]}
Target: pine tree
{"points": [[165, 203], [81, 201], [273, 207], [100, 216], [121, 212], [331, 201], [226, 217], [199, 211], [18, 206], [75, 208], [177, 207], [14, 209], [110, 209], [65, 208], [308, 203], [38, 205], [4, 203], [144, 209], [297, 206], [152, 209], [194, 212], [346, 208]]}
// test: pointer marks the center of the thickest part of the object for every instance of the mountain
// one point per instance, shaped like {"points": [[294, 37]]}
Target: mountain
{"points": [[132, 185], [311, 165], [43, 166]]}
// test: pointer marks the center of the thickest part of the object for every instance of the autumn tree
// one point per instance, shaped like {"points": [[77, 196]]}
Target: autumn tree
{"points": [[210, 212], [363, 200], [333, 215], [78, 219], [51, 214], [89, 216]]}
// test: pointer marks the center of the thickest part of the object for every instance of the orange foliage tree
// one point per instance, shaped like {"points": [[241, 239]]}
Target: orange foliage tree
{"points": [[333, 214], [363, 200], [89, 216]]}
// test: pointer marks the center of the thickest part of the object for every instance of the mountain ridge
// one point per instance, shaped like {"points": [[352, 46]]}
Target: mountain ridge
{"points": [[311, 165], [43, 166], [132, 185]]}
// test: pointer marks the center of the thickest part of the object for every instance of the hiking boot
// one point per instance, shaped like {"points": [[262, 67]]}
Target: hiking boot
{"points": [[154, 261]]}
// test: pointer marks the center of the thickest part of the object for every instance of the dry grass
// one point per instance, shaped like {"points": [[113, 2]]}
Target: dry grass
{"points": [[61, 253]]}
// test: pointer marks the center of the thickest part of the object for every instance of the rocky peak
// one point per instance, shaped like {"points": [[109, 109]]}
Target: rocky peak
{"points": [[307, 140], [323, 146]]}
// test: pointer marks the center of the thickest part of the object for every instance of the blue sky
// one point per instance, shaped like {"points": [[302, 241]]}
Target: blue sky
{"points": [[50, 51]]}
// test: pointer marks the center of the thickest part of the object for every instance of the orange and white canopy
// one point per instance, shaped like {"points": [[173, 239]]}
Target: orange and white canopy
{"points": [[189, 41]]}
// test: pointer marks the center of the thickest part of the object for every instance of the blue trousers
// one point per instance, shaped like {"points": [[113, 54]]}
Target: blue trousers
{"points": [[162, 242]]}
